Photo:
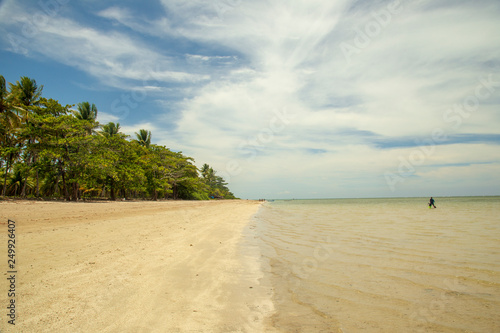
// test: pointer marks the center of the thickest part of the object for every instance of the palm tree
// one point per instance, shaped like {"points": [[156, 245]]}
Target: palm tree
{"points": [[144, 137], [110, 129], [85, 111], [9, 155], [25, 94], [205, 170], [209, 175], [8, 117], [17, 182], [9, 122]]}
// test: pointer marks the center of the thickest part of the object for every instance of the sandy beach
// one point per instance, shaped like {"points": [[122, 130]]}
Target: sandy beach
{"points": [[134, 267], [235, 266]]}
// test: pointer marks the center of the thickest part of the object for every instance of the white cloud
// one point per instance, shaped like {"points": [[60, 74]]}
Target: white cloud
{"points": [[111, 56], [401, 85], [239, 62], [104, 118], [132, 129]]}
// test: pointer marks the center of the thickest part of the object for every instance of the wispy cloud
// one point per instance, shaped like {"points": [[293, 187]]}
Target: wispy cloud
{"points": [[112, 56], [220, 72]]}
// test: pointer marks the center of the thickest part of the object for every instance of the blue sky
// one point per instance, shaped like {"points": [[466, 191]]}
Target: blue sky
{"points": [[285, 99]]}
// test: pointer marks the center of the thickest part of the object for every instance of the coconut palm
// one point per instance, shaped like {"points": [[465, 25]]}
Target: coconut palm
{"points": [[25, 93], [9, 122], [208, 174], [85, 111], [8, 117], [144, 137], [18, 182], [10, 153], [206, 171], [110, 129]]}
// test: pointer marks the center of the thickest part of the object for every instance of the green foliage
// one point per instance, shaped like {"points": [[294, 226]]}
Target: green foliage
{"points": [[85, 111], [144, 137], [49, 150], [217, 187], [25, 93], [110, 129]]}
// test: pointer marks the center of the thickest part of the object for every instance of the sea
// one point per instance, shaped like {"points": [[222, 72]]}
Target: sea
{"points": [[381, 265]]}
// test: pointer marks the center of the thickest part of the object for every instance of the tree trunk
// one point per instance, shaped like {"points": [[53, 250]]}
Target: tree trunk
{"points": [[29, 162], [37, 185], [65, 188], [66, 192], [112, 190], [74, 195], [37, 193], [174, 192], [56, 187], [23, 191], [4, 190]]}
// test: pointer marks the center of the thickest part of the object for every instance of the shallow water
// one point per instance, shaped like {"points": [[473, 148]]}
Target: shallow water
{"points": [[383, 265]]}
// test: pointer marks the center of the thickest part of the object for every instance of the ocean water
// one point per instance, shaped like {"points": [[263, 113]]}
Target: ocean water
{"points": [[382, 265]]}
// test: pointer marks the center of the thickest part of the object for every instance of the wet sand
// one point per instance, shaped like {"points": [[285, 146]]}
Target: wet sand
{"points": [[384, 265], [134, 267]]}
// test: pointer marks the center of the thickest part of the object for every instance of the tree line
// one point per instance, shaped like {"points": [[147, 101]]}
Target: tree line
{"points": [[53, 151]]}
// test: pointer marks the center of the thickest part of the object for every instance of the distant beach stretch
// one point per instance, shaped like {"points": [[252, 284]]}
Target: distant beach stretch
{"points": [[344, 265]]}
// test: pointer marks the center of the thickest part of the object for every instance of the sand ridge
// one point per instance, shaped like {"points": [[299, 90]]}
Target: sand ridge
{"points": [[133, 267]]}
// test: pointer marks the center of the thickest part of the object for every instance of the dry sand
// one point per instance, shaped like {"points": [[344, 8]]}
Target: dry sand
{"points": [[134, 267]]}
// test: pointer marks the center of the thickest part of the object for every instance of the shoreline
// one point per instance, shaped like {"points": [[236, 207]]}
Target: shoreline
{"points": [[258, 268], [136, 266]]}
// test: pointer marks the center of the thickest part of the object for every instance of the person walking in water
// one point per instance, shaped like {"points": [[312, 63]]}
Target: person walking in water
{"points": [[431, 203]]}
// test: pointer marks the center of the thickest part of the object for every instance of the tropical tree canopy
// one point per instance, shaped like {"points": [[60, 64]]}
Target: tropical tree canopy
{"points": [[50, 150]]}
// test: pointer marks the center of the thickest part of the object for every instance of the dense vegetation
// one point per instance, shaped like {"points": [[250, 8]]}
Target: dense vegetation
{"points": [[50, 150]]}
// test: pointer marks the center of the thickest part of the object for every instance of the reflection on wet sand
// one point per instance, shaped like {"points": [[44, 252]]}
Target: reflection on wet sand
{"points": [[383, 265]]}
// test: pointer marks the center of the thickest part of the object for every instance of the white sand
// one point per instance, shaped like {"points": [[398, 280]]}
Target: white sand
{"points": [[134, 267]]}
